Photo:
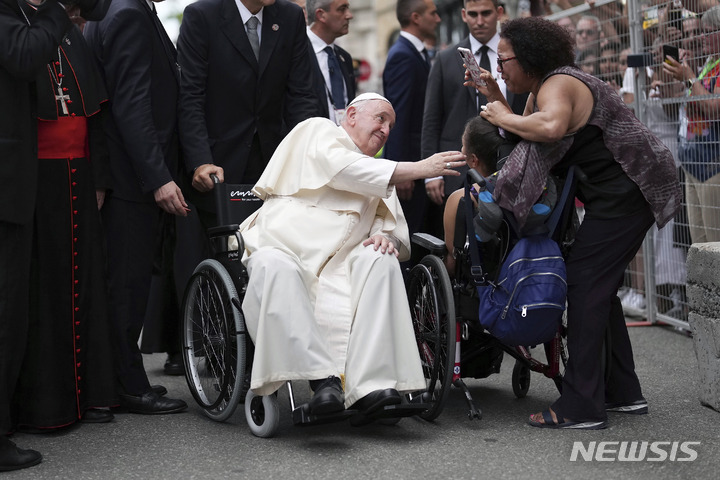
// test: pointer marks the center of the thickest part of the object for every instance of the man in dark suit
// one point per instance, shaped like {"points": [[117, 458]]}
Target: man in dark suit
{"points": [[245, 71], [448, 104], [404, 84], [137, 60], [26, 47], [333, 80]]}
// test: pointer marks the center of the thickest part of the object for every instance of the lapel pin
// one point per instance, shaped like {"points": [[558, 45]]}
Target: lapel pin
{"points": [[275, 27], [67, 40]]}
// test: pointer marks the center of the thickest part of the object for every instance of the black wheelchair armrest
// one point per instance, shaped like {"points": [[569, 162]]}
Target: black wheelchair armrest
{"points": [[222, 230], [429, 242]]}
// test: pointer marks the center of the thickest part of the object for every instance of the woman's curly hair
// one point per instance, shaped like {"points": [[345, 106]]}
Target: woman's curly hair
{"points": [[540, 45]]}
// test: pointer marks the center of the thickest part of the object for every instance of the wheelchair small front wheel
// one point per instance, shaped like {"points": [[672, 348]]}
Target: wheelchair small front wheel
{"points": [[520, 379], [262, 414]]}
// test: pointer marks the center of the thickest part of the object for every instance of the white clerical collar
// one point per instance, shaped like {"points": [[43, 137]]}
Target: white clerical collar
{"points": [[417, 43], [245, 13], [492, 44], [317, 43]]}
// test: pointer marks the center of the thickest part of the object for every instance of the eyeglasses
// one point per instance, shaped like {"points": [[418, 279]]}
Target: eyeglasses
{"points": [[501, 62], [587, 31]]}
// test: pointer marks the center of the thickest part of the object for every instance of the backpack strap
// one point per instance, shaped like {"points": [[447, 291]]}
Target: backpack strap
{"points": [[476, 270], [567, 196]]}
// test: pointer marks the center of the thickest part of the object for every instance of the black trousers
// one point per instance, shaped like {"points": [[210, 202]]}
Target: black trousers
{"points": [[602, 250], [15, 255], [130, 233]]}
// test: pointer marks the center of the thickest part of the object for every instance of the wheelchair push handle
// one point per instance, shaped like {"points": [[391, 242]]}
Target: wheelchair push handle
{"points": [[582, 178], [475, 177], [215, 179]]}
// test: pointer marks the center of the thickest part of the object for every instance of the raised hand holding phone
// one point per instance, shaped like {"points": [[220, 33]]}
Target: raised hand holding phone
{"points": [[472, 66]]}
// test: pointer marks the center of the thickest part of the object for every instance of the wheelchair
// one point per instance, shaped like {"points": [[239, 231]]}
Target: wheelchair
{"points": [[217, 350], [451, 342]]}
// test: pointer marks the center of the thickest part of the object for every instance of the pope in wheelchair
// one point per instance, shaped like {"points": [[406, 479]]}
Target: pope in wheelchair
{"points": [[326, 301]]}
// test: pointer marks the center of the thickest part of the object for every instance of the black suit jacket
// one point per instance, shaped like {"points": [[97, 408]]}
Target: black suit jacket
{"points": [[137, 61], [404, 84], [319, 85], [24, 52], [227, 95], [449, 105]]}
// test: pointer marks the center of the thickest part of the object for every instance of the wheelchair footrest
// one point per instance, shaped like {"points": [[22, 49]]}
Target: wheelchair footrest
{"points": [[391, 411], [302, 416]]}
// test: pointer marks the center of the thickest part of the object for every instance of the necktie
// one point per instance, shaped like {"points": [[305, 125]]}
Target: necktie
{"points": [[485, 65], [336, 80], [252, 33], [426, 56]]}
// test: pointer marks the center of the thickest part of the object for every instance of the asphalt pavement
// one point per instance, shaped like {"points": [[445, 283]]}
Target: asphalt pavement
{"points": [[191, 446]]}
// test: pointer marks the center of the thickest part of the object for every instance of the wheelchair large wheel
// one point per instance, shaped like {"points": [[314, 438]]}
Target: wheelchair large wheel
{"points": [[213, 341], [262, 414], [432, 308]]}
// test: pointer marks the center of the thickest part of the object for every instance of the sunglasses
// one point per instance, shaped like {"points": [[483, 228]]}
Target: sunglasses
{"points": [[501, 62]]}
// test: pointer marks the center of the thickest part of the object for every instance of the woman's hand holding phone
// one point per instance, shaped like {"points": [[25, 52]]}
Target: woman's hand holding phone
{"points": [[490, 85]]}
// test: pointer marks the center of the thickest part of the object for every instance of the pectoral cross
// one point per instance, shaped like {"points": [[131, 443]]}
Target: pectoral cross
{"points": [[63, 99]]}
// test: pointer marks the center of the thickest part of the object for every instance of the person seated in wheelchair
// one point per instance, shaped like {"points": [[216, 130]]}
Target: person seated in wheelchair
{"points": [[486, 149], [481, 142], [325, 300]]}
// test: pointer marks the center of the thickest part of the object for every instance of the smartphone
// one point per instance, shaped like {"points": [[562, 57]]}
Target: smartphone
{"points": [[472, 66], [671, 51]]}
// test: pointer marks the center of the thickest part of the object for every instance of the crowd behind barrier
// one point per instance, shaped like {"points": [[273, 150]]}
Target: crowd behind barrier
{"points": [[627, 44]]}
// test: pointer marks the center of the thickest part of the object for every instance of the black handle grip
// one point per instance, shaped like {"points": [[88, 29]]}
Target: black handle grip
{"points": [[476, 177], [582, 178], [214, 178]]}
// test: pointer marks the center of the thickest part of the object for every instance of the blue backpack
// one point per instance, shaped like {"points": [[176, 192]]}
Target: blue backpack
{"points": [[525, 304]]}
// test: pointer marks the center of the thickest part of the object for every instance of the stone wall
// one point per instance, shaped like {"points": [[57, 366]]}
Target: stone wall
{"points": [[703, 288]]}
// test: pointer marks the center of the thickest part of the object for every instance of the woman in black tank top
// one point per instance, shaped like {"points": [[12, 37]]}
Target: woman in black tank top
{"points": [[575, 119]]}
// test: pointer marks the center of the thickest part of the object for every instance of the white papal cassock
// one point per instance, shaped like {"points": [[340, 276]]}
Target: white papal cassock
{"points": [[319, 303]]}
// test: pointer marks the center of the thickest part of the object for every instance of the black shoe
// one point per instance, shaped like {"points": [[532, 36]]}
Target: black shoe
{"points": [[14, 458], [638, 407], [328, 397], [376, 400], [96, 415], [158, 390], [151, 404], [245, 388], [174, 364]]}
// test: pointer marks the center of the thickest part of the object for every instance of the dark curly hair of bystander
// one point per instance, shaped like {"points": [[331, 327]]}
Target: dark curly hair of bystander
{"points": [[540, 45]]}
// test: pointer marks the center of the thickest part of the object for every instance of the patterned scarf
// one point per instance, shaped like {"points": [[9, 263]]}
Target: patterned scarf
{"points": [[641, 155]]}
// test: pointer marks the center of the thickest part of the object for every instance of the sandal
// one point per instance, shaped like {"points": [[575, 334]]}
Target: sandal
{"points": [[568, 424]]}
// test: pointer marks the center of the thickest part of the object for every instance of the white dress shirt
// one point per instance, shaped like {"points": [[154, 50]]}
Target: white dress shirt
{"points": [[417, 43], [245, 15], [319, 45]]}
